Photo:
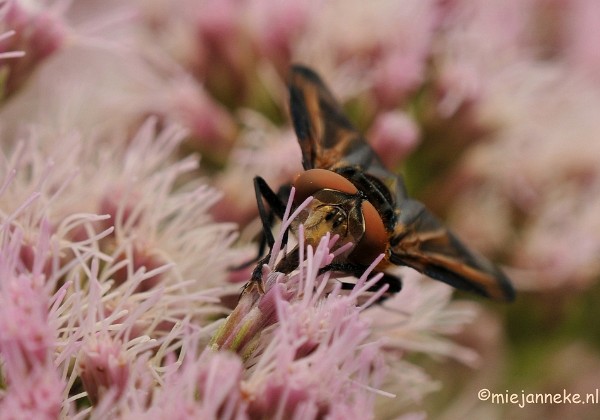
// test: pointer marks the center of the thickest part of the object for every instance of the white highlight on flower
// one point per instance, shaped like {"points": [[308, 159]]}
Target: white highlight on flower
{"points": [[9, 54]]}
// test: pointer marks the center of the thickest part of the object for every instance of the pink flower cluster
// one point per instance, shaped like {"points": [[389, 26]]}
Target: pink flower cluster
{"points": [[34, 388], [84, 324]]}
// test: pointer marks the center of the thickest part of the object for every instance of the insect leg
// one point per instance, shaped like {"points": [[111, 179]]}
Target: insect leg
{"points": [[394, 283], [276, 203], [276, 208], [262, 190]]}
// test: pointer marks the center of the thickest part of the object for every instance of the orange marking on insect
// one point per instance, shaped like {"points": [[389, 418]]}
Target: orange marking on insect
{"points": [[376, 238], [309, 182]]}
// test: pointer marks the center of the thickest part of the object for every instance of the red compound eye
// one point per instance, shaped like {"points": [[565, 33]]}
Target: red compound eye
{"points": [[309, 182], [375, 239]]}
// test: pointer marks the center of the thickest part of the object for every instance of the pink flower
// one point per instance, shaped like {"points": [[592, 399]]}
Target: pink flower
{"points": [[103, 367], [277, 27], [37, 394], [206, 385], [262, 149], [9, 54], [117, 245], [212, 127], [312, 351], [34, 386], [37, 33], [393, 136], [86, 305], [316, 360], [383, 46], [581, 23]]}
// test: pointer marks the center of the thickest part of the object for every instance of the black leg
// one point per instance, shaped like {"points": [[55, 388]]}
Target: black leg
{"points": [[262, 189], [394, 283], [277, 203]]}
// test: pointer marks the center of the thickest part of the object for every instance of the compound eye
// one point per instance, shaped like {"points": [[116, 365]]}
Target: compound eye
{"points": [[309, 182], [375, 238]]}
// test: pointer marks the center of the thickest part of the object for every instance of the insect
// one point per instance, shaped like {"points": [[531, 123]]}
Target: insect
{"points": [[357, 198]]}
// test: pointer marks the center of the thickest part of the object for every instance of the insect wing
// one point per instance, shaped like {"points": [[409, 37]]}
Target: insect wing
{"points": [[422, 242], [325, 134], [327, 138]]}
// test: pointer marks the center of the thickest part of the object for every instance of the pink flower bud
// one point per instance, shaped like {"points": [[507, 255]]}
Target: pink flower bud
{"points": [[104, 367], [393, 136]]}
